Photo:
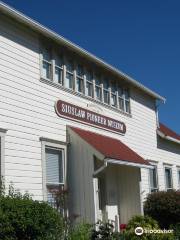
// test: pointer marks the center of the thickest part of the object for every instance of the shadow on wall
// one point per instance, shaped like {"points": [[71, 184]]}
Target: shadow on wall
{"points": [[143, 99], [168, 146]]}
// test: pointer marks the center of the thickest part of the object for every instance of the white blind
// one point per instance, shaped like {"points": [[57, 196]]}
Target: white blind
{"points": [[54, 166]]}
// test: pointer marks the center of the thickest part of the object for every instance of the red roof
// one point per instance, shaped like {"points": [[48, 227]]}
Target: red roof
{"points": [[168, 132], [110, 147]]}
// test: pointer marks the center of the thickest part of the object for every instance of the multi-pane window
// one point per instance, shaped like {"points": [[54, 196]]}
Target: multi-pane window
{"points": [[113, 94], [69, 74], [80, 78], [98, 88], [153, 179], [58, 69], [168, 178], [106, 91], [89, 83], [46, 64]]}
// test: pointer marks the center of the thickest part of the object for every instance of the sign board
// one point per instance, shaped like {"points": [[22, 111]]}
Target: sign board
{"points": [[79, 114]]}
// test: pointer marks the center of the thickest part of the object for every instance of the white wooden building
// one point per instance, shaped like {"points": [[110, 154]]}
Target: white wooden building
{"points": [[69, 118]]}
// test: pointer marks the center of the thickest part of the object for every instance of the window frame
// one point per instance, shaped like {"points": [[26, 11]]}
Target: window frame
{"points": [[88, 86], [151, 190], [170, 168], [56, 145]]}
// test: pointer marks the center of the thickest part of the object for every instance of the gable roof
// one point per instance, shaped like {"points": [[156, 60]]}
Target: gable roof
{"points": [[4, 8], [168, 133], [111, 148]]}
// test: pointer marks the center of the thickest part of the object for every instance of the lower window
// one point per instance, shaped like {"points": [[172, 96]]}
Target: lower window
{"points": [[54, 175], [168, 178], [153, 179]]}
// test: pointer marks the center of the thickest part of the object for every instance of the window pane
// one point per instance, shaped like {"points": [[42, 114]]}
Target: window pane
{"points": [[89, 76], [113, 100], [47, 54], [98, 93], [126, 94], [80, 84], [120, 91], [80, 71], [58, 75], [69, 66], [168, 178], [105, 83], [153, 179], [46, 70], [69, 80], [89, 88], [58, 61], [121, 103], [106, 97], [127, 103], [113, 87], [54, 166], [97, 80]]}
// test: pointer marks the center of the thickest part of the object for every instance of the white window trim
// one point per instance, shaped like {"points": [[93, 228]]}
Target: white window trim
{"points": [[74, 91], [50, 143], [2, 137], [154, 164], [168, 167]]}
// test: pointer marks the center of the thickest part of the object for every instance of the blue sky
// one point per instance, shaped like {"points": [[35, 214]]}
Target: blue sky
{"points": [[141, 38]]}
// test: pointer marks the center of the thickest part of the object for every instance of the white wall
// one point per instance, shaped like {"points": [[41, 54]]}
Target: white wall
{"points": [[27, 111]]}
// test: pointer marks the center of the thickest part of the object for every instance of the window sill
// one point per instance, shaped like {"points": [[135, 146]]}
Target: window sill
{"points": [[47, 81]]}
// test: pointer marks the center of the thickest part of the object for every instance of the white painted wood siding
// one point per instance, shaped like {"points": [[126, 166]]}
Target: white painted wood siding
{"points": [[27, 111]]}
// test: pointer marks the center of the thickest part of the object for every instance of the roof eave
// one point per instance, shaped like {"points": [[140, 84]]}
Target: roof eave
{"points": [[128, 163], [162, 135], [49, 33]]}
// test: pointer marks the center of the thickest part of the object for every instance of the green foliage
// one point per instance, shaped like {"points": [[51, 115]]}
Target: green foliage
{"points": [[164, 207], [176, 229], [146, 223], [81, 231], [21, 218], [105, 231]]}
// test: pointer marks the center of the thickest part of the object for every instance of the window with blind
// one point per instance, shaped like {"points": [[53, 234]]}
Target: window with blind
{"points": [[54, 167], [54, 172]]}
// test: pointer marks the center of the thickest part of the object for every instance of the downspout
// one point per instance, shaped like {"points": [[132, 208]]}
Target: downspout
{"points": [[157, 114]]}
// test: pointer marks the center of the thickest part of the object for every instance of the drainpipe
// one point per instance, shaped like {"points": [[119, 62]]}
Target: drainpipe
{"points": [[157, 114]]}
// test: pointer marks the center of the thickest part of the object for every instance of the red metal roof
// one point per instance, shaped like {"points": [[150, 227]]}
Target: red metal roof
{"points": [[168, 132], [110, 147]]}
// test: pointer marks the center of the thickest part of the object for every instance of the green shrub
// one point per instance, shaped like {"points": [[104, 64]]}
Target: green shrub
{"points": [[164, 207], [21, 218], [176, 229], [105, 231], [146, 223], [81, 231]]}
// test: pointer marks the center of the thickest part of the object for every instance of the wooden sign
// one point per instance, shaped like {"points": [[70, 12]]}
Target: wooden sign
{"points": [[73, 112]]}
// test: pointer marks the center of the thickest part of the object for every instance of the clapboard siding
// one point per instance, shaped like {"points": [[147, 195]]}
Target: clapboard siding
{"points": [[27, 112]]}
